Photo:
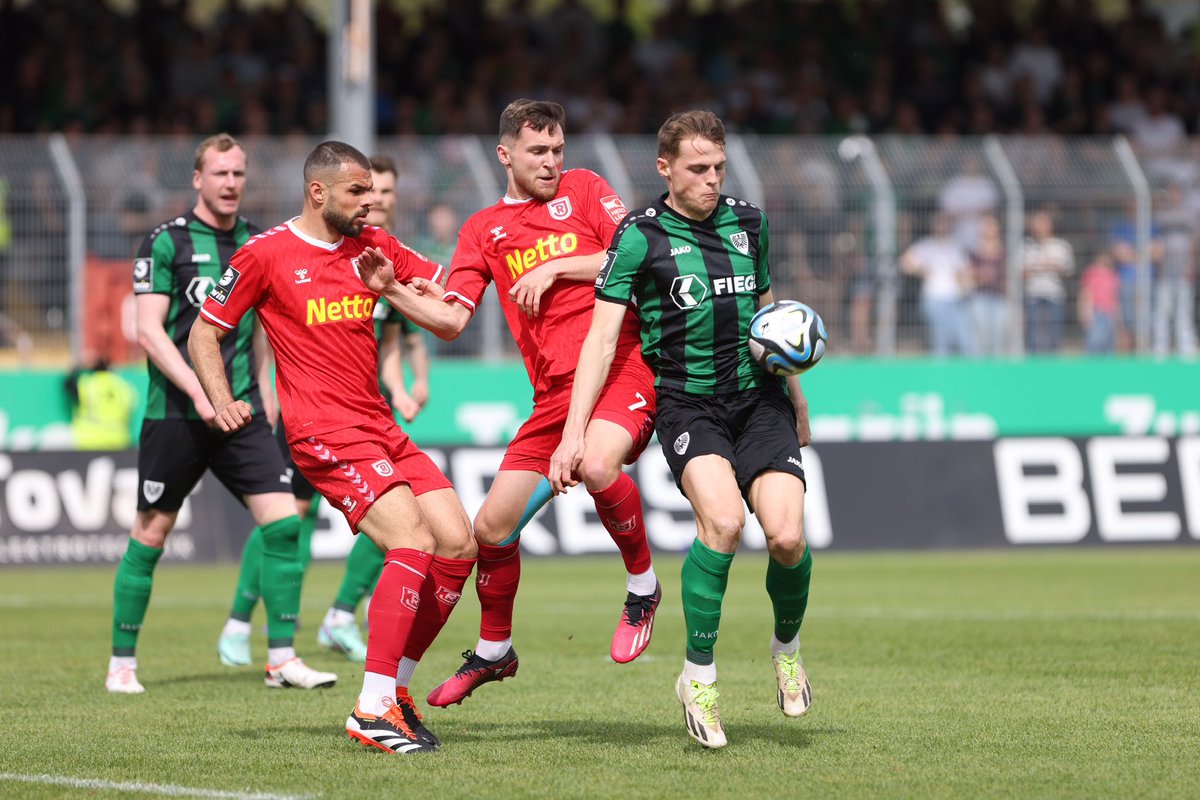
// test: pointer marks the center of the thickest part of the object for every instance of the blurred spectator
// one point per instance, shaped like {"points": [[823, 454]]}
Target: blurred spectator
{"points": [[1045, 261], [102, 405], [989, 300], [1098, 305], [944, 269], [1175, 288], [1123, 245], [1036, 59], [966, 198]]}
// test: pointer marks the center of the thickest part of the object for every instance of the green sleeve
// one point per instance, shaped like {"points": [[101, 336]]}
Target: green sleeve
{"points": [[621, 265], [762, 270]]}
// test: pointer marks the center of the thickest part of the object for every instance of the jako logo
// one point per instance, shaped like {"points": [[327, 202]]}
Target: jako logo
{"points": [[547, 247], [678, 251], [321, 311]]}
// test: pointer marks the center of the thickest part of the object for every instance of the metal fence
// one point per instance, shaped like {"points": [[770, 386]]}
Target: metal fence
{"points": [[971, 247]]}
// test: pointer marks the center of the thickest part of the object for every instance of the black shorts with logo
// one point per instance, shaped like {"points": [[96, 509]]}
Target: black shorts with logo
{"points": [[754, 430], [300, 485], [174, 453]]}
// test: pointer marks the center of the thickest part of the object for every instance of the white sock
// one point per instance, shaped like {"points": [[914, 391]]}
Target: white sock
{"points": [[405, 671], [235, 627], [492, 650], [643, 583], [278, 655], [336, 618], [778, 647], [700, 673], [116, 662], [375, 688]]}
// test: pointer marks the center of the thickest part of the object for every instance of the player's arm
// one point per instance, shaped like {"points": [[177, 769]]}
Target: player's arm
{"points": [[799, 401], [264, 357], [152, 335], [595, 361], [528, 290], [391, 373], [421, 301], [204, 346], [418, 361]]}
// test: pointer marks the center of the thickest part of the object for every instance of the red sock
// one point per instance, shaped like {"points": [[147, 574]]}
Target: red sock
{"points": [[620, 509], [394, 608], [439, 594], [499, 574]]}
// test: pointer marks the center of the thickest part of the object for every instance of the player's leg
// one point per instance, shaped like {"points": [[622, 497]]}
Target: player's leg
{"points": [[513, 499], [771, 473], [171, 459], [233, 645], [339, 629]]}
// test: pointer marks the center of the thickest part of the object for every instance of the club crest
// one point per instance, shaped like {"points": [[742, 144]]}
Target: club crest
{"points": [[560, 208], [152, 490], [741, 241]]}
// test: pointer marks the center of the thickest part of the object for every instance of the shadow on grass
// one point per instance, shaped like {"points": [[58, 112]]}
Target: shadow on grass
{"points": [[629, 733]]}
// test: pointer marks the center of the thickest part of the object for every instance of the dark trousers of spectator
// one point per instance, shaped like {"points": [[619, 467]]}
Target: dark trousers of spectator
{"points": [[1043, 323]]}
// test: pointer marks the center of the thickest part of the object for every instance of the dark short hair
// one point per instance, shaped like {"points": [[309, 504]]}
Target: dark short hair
{"points": [[689, 125], [328, 157], [539, 115], [221, 142], [382, 164]]}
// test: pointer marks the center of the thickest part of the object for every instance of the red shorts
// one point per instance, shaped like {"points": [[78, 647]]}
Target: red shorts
{"points": [[351, 467], [627, 399]]}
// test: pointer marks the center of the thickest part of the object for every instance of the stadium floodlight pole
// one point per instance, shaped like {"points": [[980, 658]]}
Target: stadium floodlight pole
{"points": [[614, 166], [1141, 288], [747, 175], [884, 218], [68, 173], [352, 73], [1014, 234]]}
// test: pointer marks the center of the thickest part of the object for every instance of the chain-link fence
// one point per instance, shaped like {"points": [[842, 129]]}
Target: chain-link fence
{"points": [[965, 247]]}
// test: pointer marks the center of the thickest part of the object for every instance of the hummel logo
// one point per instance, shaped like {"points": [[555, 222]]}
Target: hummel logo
{"points": [[302, 276], [498, 233], [348, 503]]}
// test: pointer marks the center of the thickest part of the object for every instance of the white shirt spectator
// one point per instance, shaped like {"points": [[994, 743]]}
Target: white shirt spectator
{"points": [[944, 264], [1046, 262]]}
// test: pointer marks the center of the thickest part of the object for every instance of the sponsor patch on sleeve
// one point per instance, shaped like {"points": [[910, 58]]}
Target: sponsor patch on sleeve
{"points": [[142, 270], [220, 293], [615, 208]]}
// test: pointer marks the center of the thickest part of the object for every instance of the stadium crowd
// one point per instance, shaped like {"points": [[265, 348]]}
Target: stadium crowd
{"points": [[767, 66]]}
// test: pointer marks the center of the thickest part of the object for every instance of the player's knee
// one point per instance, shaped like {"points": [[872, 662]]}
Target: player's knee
{"points": [[151, 528], [786, 546], [491, 530], [726, 527], [598, 471], [459, 544]]}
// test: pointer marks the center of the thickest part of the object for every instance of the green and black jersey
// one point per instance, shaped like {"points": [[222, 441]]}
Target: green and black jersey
{"points": [[695, 286], [184, 258], [384, 313]]}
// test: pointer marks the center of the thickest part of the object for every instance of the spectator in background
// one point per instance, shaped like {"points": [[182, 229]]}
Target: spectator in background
{"points": [[944, 269], [1123, 244], [1098, 305], [102, 405], [989, 302], [966, 198], [1045, 261], [1175, 289]]}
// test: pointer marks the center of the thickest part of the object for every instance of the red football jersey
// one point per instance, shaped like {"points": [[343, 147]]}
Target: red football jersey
{"points": [[318, 316], [503, 242]]}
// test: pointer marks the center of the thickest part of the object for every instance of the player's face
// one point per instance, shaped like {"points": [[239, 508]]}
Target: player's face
{"points": [[534, 162], [221, 181], [694, 177], [348, 200], [383, 199]]}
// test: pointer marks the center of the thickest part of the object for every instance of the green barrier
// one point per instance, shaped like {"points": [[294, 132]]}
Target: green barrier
{"points": [[851, 399]]}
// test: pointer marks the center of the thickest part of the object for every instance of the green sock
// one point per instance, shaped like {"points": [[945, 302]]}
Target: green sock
{"points": [[282, 576], [131, 595], [705, 576], [788, 589], [246, 595], [363, 566], [308, 524]]}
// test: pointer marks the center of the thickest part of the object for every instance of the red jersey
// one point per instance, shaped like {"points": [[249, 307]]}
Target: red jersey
{"points": [[319, 318], [503, 242]]}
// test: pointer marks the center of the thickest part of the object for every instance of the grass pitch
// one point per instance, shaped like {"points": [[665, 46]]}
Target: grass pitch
{"points": [[997, 674]]}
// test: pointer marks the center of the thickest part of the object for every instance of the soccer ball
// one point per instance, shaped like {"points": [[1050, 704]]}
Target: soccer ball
{"points": [[787, 338]]}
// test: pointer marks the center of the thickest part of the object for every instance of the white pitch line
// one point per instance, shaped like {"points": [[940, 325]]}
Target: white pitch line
{"points": [[167, 789]]}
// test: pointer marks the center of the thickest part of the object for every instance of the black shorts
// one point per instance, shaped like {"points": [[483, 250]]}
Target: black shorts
{"points": [[174, 453], [300, 485], [754, 430]]}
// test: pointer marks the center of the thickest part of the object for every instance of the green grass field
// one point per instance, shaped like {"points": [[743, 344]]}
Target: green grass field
{"points": [[997, 674]]}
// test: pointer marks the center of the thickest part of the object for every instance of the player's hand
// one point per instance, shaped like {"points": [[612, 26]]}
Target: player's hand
{"points": [[419, 392], [208, 414], [528, 290], [427, 288], [376, 270], [564, 464], [406, 405], [234, 416]]}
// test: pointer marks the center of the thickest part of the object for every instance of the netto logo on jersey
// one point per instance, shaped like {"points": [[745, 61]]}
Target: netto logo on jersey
{"points": [[348, 309], [546, 248], [738, 284], [688, 291]]}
